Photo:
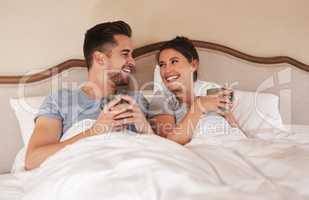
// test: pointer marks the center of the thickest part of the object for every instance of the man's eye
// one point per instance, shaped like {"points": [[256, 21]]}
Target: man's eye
{"points": [[161, 65]]}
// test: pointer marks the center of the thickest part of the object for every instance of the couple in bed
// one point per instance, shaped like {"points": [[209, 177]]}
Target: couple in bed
{"points": [[108, 54]]}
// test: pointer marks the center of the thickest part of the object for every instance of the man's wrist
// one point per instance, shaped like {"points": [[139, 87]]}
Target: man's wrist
{"points": [[95, 130], [146, 128]]}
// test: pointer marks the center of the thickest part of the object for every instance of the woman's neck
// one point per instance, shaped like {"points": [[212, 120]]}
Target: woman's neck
{"points": [[188, 93], [186, 97]]}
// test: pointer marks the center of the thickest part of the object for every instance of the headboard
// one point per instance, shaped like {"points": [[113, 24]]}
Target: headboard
{"points": [[280, 75]]}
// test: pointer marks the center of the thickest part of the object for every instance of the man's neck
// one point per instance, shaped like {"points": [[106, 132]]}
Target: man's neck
{"points": [[97, 86], [97, 91]]}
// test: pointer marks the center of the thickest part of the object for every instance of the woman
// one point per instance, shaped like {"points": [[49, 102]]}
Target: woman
{"points": [[176, 112]]}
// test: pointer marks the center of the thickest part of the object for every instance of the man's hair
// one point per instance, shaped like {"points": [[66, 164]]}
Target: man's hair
{"points": [[184, 46], [102, 34]]}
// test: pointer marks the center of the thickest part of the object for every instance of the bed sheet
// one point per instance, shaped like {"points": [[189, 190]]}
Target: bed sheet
{"points": [[10, 187]]}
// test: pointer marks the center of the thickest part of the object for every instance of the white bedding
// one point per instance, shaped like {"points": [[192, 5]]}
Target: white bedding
{"points": [[127, 166], [10, 188], [277, 167]]}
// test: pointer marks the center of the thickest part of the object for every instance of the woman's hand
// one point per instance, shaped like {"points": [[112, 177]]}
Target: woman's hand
{"points": [[219, 103]]}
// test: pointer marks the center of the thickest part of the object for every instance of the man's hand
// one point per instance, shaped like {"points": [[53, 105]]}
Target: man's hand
{"points": [[129, 112], [106, 121]]}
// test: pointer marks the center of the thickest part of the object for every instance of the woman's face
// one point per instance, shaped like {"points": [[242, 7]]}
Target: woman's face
{"points": [[176, 71]]}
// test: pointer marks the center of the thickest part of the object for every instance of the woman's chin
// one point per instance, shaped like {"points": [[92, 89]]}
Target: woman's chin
{"points": [[175, 90], [174, 85]]}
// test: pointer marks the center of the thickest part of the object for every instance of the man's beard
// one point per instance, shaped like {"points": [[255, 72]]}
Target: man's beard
{"points": [[119, 78]]}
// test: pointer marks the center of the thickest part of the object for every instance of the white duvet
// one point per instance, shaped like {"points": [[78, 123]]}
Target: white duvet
{"points": [[126, 166]]}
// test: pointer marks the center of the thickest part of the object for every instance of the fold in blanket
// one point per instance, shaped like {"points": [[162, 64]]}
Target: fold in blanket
{"points": [[131, 166]]}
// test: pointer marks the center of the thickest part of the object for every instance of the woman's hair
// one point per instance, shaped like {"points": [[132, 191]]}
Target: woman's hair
{"points": [[184, 46]]}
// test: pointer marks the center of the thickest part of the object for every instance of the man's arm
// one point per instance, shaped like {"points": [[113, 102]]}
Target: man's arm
{"points": [[44, 141]]}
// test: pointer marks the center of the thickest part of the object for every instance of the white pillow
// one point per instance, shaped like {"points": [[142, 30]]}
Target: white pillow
{"points": [[25, 110], [257, 111], [253, 111]]}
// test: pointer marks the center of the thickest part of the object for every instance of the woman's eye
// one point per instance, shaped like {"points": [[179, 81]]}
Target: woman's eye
{"points": [[174, 61], [161, 65]]}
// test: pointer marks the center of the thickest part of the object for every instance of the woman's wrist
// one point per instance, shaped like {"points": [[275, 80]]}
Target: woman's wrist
{"points": [[198, 107]]}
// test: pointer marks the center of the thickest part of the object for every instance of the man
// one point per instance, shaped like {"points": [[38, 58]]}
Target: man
{"points": [[108, 54]]}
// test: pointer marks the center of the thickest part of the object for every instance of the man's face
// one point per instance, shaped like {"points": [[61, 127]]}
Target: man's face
{"points": [[121, 62]]}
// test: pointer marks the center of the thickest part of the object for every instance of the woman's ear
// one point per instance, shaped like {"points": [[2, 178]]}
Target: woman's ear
{"points": [[194, 65]]}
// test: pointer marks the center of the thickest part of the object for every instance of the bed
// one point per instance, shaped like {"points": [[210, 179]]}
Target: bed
{"points": [[287, 149]]}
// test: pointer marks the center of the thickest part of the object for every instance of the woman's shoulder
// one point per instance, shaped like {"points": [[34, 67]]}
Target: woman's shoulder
{"points": [[163, 102]]}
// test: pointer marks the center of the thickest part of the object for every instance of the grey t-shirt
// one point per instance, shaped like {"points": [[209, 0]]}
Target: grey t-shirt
{"points": [[165, 102], [72, 106]]}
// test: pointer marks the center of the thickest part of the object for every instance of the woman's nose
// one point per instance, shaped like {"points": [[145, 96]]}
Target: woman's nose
{"points": [[168, 68]]}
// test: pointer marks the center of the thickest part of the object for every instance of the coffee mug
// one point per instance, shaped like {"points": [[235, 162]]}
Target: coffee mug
{"points": [[214, 91], [106, 100]]}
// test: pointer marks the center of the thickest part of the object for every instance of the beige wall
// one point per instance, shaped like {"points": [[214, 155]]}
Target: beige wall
{"points": [[41, 33]]}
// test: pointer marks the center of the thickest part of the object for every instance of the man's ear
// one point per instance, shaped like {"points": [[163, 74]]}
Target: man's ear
{"points": [[99, 58]]}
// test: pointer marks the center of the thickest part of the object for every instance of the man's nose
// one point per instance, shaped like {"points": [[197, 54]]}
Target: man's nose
{"points": [[131, 61]]}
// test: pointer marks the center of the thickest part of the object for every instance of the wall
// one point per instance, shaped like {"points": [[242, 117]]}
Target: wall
{"points": [[37, 34]]}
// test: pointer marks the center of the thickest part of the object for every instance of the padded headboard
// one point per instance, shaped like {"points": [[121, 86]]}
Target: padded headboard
{"points": [[283, 76]]}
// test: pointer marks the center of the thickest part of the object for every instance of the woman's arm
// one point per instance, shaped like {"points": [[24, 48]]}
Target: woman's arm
{"points": [[230, 118], [165, 125]]}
